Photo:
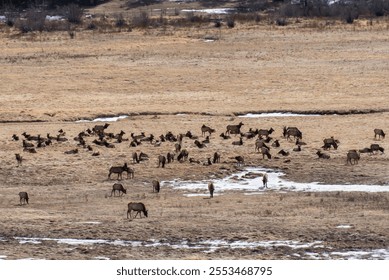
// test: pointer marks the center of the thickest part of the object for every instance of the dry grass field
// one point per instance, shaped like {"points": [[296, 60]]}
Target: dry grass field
{"points": [[175, 80]]}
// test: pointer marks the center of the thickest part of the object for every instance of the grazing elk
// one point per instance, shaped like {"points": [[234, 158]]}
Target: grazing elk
{"points": [[379, 132], [19, 159], [216, 157], [119, 170], [353, 157], [156, 186], [118, 187], [376, 147], [234, 129], [23, 196], [322, 155], [161, 161], [138, 207], [292, 131], [328, 142], [211, 189], [205, 129]]}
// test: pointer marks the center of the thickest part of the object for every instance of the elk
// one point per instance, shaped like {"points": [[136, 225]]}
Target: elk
{"points": [[177, 147], [156, 186], [265, 132], [234, 129], [119, 170], [259, 143], [211, 189], [161, 161], [205, 129], [297, 149], [216, 157], [118, 187], [70, 152], [238, 143], [239, 160], [138, 207], [135, 158], [15, 137], [275, 144], [265, 180], [183, 155], [265, 152], [353, 157], [379, 132], [97, 129], [292, 131], [19, 159], [199, 144], [283, 153], [328, 142], [322, 155], [169, 157], [376, 147], [225, 136], [365, 151], [23, 198]]}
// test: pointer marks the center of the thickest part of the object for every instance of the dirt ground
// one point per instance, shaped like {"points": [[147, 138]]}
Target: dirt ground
{"points": [[175, 80]]}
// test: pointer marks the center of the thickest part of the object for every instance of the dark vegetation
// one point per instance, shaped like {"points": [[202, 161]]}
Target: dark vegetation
{"points": [[29, 16]]}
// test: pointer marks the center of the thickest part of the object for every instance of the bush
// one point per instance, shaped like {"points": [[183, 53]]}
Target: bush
{"points": [[73, 13], [35, 21], [281, 22], [230, 22], [141, 21]]}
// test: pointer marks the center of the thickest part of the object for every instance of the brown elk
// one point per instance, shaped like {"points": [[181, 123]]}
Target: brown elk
{"points": [[161, 161], [379, 132], [156, 186], [292, 131], [23, 198], [138, 207], [322, 155], [265, 180], [211, 189], [19, 159], [353, 157], [118, 187], [119, 170], [234, 129], [265, 132], [205, 129], [216, 157]]}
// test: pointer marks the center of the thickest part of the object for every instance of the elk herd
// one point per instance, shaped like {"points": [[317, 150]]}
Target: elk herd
{"points": [[263, 144]]}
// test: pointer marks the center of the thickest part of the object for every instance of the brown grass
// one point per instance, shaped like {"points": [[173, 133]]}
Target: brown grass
{"points": [[251, 68]]}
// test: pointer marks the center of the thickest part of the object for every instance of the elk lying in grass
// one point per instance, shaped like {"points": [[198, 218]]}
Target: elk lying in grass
{"points": [[275, 144], [199, 144], [283, 153], [225, 136], [205, 129], [379, 132], [138, 207], [234, 129], [322, 155], [23, 196], [353, 157], [211, 189], [238, 143], [71, 152], [119, 188]]}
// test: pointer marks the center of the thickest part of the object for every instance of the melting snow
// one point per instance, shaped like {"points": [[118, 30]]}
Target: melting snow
{"points": [[108, 119], [277, 115]]}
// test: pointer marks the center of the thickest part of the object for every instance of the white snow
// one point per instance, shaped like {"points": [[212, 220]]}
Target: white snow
{"points": [[108, 119], [210, 11], [277, 115]]}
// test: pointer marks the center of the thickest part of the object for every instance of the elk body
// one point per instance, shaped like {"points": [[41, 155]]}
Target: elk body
{"points": [[138, 207]]}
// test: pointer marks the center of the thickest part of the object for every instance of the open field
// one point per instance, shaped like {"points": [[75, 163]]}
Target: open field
{"points": [[49, 81]]}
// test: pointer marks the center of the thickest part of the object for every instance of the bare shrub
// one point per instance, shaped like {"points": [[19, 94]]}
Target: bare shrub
{"points": [[73, 13], [141, 21], [281, 22], [120, 21], [230, 22], [34, 21]]}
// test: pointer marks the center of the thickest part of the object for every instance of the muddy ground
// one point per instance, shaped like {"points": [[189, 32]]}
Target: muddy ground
{"points": [[49, 81]]}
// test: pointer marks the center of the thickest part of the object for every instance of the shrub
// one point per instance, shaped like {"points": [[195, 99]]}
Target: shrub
{"points": [[73, 13], [141, 21], [230, 22], [281, 22]]}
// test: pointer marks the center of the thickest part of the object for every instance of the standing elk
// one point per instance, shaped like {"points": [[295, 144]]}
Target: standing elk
{"points": [[211, 189], [23, 198], [292, 131], [328, 142], [234, 129], [379, 132], [205, 129], [376, 147], [138, 207], [265, 180], [119, 170], [353, 157], [19, 159], [265, 132], [216, 157], [156, 186], [161, 161]]}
